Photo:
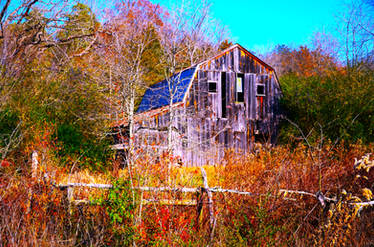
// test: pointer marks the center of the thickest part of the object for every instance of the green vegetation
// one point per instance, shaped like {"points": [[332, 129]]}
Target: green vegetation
{"points": [[336, 107], [120, 207], [8, 123]]}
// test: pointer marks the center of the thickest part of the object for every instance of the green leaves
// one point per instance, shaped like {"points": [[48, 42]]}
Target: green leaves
{"points": [[339, 105], [80, 24], [8, 122], [120, 207]]}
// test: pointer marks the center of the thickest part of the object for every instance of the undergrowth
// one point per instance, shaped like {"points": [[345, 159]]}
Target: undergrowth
{"points": [[35, 212]]}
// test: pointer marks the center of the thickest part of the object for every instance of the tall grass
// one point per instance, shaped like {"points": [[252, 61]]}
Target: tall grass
{"points": [[35, 212]]}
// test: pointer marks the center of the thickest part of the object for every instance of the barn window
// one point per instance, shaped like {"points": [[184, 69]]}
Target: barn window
{"points": [[212, 86], [260, 90], [184, 143], [240, 88]]}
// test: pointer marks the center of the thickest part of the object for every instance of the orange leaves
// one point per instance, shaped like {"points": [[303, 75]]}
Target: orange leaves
{"points": [[167, 225], [140, 10], [33, 213], [303, 61], [42, 137], [267, 171], [264, 217]]}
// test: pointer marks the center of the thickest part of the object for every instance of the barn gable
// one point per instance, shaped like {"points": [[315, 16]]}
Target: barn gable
{"points": [[238, 59], [235, 58]]}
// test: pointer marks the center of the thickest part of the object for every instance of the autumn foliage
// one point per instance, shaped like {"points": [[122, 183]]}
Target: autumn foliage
{"points": [[35, 212], [66, 75]]}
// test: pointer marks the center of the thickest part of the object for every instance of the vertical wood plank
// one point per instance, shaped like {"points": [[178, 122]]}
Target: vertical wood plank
{"points": [[267, 97], [34, 164], [232, 87], [219, 95], [247, 94], [236, 59], [253, 101]]}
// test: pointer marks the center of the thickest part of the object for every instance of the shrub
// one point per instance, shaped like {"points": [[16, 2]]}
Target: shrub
{"points": [[120, 207], [338, 105], [89, 151]]}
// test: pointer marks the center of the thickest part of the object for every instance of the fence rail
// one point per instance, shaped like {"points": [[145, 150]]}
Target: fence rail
{"points": [[200, 191], [199, 200]]}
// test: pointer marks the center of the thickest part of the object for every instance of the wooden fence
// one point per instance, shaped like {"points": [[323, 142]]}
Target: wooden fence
{"points": [[200, 192]]}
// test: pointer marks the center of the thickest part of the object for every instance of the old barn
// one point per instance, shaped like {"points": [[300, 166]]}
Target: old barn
{"points": [[228, 101]]}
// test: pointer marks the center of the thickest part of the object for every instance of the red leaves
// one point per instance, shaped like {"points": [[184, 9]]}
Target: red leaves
{"points": [[166, 225], [5, 163], [42, 137]]}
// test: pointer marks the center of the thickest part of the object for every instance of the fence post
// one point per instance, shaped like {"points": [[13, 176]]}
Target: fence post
{"points": [[210, 199], [34, 173], [70, 198], [34, 164], [199, 205]]}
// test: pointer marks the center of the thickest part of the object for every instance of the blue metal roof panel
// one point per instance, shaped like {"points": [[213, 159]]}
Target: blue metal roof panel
{"points": [[158, 95]]}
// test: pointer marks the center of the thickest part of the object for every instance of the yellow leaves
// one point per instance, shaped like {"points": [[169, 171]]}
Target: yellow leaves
{"points": [[330, 213], [285, 194], [355, 199], [364, 163], [367, 193]]}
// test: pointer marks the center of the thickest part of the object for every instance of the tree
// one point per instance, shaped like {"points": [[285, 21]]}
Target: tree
{"points": [[225, 44], [303, 61], [358, 34], [42, 81], [80, 22], [184, 35], [128, 39]]}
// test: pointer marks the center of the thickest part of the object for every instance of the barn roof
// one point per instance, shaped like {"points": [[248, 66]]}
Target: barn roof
{"points": [[158, 95]]}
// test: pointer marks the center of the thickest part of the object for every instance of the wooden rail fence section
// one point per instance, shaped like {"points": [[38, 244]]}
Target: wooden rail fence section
{"points": [[200, 191]]}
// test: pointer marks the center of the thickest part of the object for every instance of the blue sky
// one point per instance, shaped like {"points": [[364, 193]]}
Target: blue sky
{"points": [[259, 25]]}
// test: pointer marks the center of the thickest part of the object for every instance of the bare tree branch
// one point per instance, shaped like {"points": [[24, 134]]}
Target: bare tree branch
{"points": [[3, 11]]}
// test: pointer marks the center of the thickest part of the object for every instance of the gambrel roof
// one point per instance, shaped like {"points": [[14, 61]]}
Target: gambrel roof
{"points": [[158, 95]]}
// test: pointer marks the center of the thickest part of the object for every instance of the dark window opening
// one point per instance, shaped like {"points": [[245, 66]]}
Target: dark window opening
{"points": [[262, 138], [223, 94], [121, 157], [212, 87], [260, 90], [240, 88], [184, 143], [226, 133], [122, 135]]}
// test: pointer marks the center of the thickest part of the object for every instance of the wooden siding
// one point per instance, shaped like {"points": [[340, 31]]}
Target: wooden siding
{"points": [[235, 60], [210, 122]]}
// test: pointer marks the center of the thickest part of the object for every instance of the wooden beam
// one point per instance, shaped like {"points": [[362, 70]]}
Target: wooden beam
{"points": [[210, 199]]}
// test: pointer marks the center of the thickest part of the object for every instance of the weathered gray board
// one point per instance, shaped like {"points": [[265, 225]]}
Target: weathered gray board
{"points": [[210, 122]]}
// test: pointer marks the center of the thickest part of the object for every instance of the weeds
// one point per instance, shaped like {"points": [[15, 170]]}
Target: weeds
{"points": [[34, 212]]}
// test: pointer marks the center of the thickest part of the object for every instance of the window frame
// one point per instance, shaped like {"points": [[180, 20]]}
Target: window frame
{"points": [[212, 82], [258, 94], [242, 97]]}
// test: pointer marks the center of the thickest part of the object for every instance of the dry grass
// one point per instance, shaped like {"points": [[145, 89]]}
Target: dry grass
{"points": [[38, 215]]}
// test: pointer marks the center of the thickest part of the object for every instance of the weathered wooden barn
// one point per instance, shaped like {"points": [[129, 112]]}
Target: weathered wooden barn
{"points": [[228, 101]]}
